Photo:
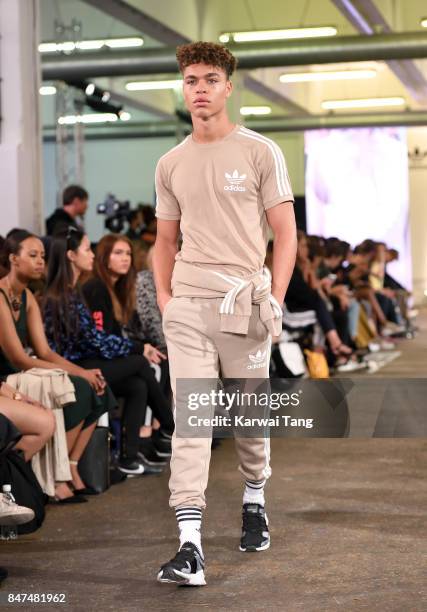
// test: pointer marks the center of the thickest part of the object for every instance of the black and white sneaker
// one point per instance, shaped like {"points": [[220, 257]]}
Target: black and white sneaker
{"points": [[147, 453], [162, 443], [255, 534], [132, 467], [186, 568], [150, 468]]}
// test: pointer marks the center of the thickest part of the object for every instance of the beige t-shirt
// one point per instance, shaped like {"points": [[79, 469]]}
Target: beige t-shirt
{"points": [[220, 191]]}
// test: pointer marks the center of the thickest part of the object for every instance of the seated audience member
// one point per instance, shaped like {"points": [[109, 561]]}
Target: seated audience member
{"points": [[136, 221], [111, 298], [73, 333], [385, 297], [74, 205], [149, 231], [301, 296], [394, 288], [35, 423], [21, 327], [150, 317], [389, 282], [345, 308], [358, 276], [150, 322]]}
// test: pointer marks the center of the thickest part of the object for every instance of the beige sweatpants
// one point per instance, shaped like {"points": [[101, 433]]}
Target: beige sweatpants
{"points": [[198, 349]]}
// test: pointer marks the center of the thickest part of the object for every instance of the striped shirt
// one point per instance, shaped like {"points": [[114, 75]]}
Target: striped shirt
{"points": [[220, 193]]}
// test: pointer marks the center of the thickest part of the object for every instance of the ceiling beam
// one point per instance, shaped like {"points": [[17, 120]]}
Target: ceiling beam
{"points": [[367, 19], [137, 19], [273, 96], [250, 55], [269, 125], [128, 14]]}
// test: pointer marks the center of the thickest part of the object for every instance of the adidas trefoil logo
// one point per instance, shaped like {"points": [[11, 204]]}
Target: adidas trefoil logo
{"points": [[258, 360], [235, 179]]}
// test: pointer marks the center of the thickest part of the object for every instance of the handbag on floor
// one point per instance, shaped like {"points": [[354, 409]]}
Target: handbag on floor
{"points": [[317, 364], [94, 465]]}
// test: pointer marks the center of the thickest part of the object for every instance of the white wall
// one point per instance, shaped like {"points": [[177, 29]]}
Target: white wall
{"points": [[20, 151]]}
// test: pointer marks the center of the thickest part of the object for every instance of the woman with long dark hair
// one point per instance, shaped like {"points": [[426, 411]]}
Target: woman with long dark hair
{"points": [[21, 327], [110, 295], [72, 331]]}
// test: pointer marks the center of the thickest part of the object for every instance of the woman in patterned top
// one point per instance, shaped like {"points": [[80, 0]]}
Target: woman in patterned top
{"points": [[72, 331], [150, 317]]}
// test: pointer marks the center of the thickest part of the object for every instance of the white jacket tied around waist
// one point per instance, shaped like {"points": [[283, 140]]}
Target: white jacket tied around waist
{"points": [[53, 389], [238, 293]]}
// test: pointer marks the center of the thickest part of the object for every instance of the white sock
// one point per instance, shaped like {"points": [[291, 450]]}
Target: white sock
{"points": [[189, 523], [254, 492]]}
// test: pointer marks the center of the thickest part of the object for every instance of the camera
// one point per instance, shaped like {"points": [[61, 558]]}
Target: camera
{"points": [[116, 213]]}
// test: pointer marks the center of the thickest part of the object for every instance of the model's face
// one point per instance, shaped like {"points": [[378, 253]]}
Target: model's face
{"points": [[82, 259], [206, 89], [120, 259], [29, 264]]}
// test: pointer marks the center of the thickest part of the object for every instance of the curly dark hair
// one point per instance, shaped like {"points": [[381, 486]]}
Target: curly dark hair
{"points": [[207, 53]]}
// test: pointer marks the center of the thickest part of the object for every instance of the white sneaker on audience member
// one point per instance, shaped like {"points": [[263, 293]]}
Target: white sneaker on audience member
{"points": [[12, 514]]}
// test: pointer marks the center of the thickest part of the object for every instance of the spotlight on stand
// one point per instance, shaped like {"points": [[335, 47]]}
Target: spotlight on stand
{"points": [[103, 107], [93, 90]]}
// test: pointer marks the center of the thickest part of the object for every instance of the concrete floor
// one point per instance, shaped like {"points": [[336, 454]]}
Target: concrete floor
{"points": [[347, 522]]}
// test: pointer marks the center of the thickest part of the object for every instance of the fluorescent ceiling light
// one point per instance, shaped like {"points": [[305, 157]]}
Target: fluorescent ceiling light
{"points": [[47, 90], [91, 45], [259, 35], [335, 75], [88, 45], [363, 103], [118, 43], [151, 85], [255, 110], [124, 116], [47, 47], [424, 23], [54, 47], [90, 118]]}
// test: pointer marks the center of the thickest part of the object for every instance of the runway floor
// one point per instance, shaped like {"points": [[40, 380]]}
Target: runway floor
{"points": [[348, 527]]}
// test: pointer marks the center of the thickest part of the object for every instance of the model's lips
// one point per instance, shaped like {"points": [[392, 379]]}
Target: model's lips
{"points": [[201, 101], [39, 270]]}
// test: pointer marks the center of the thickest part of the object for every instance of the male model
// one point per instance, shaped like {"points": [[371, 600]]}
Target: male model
{"points": [[222, 187]]}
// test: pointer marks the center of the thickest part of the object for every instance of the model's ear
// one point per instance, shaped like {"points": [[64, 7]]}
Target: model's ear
{"points": [[228, 88]]}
